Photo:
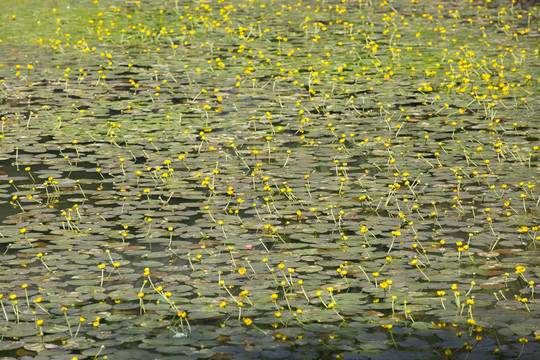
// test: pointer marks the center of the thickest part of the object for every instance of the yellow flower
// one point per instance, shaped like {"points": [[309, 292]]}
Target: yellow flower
{"points": [[248, 321], [242, 271]]}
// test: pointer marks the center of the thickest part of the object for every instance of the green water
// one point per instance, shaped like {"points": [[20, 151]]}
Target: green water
{"points": [[252, 179]]}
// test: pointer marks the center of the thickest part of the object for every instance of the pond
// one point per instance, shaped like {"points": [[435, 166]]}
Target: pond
{"points": [[249, 179]]}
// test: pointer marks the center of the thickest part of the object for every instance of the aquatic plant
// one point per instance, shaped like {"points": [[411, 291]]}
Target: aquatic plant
{"points": [[254, 179]]}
